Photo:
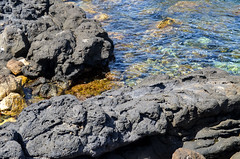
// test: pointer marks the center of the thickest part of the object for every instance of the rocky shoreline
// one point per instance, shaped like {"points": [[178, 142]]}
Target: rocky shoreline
{"points": [[199, 111], [53, 43], [50, 43]]}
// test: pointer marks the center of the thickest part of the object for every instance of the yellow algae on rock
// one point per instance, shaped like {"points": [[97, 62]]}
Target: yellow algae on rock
{"points": [[96, 87], [167, 22], [23, 79], [8, 120], [101, 17], [12, 105]]}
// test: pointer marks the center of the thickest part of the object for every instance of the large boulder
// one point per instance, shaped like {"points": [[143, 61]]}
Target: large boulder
{"points": [[199, 112], [55, 37]]}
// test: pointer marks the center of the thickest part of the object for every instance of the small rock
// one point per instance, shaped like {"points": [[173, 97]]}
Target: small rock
{"points": [[9, 84], [13, 104], [24, 61], [167, 22], [15, 66], [101, 17], [183, 153], [236, 156]]}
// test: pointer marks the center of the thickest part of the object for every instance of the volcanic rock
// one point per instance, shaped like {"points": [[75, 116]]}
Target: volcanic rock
{"points": [[56, 39], [199, 111]]}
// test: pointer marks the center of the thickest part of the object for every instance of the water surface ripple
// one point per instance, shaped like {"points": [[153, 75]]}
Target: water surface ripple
{"points": [[204, 33]]}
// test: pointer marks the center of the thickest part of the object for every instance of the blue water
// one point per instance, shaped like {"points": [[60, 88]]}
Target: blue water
{"points": [[206, 33]]}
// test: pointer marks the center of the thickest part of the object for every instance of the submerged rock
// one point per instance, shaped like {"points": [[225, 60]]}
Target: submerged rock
{"points": [[199, 111], [186, 6], [167, 22]]}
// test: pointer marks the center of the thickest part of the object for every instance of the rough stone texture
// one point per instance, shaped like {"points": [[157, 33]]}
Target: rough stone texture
{"points": [[199, 111], [182, 153], [55, 37], [9, 146]]}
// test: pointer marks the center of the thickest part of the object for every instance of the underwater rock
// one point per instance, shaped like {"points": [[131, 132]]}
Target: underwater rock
{"points": [[96, 87], [186, 6], [101, 17], [199, 111], [167, 22]]}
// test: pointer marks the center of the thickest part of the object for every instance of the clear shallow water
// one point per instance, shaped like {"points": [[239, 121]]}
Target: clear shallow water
{"points": [[205, 33]]}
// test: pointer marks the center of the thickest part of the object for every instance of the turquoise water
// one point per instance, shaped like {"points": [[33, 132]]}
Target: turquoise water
{"points": [[204, 33]]}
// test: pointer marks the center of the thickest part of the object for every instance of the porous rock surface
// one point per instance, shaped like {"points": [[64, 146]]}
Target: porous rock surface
{"points": [[55, 37], [199, 111]]}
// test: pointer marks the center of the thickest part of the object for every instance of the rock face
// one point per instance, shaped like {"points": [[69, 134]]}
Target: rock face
{"points": [[55, 37], [199, 111]]}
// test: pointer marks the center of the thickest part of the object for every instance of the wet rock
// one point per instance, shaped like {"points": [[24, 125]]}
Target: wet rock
{"points": [[43, 88], [15, 66], [101, 17], [23, 79], [182, 153], [9, 84], [167, 22], [199, 112]]}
